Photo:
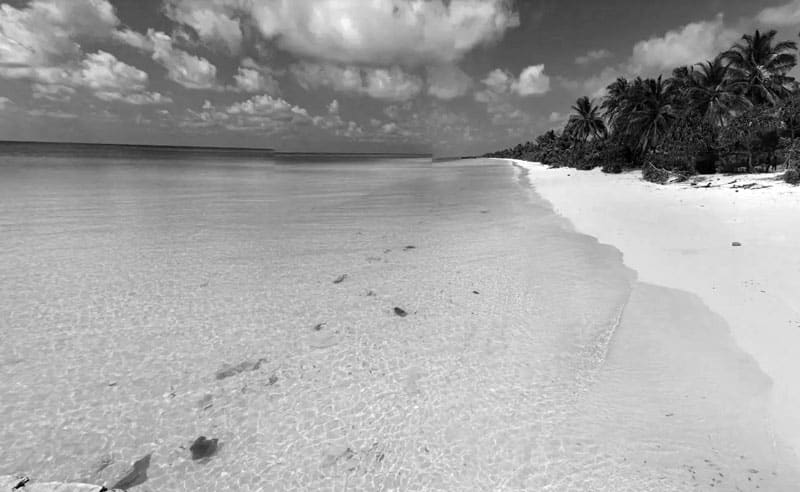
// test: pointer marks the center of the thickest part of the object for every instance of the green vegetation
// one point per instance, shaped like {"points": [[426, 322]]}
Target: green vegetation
{"points": [[737, 112]]}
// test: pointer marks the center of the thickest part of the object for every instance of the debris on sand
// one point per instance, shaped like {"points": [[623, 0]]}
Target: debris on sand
{"points": [[136, 476], [246, 366], [736, 244], [319, 326], [409, 248], [400, 312], [475, 292], [205, 402], [11, 483], [340, 279], [203, 448]]}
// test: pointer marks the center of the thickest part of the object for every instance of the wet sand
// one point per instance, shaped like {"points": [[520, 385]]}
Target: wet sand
{"points": [[733, 244]]}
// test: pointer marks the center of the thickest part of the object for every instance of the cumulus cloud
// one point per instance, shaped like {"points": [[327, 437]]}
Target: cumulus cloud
{"points": [[251, 77], [214, 22], [783, 15], [499, 83], [52, 92], [264, 113], [448, 82], [593, 56], [690, 44], [46, 32], [532, 81], [392, 84], [41, 42], [693, 43], [501, 86], [375, 32], [190, 71], [113, 80]]}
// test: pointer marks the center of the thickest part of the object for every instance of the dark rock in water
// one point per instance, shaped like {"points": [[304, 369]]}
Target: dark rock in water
{"points": [[475, 292], [409, 248], [136, 476], [319, 326], [273, 379], [340, 279], [400, 312], [203, 448], [736, 244], [371, 293], [246, 366], [13, 483]]}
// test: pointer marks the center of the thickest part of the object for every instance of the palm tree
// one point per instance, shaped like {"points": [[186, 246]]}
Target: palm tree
{"points": [[715, 93], [652, 112], [615, 100], [586, 122], [763, 66]]}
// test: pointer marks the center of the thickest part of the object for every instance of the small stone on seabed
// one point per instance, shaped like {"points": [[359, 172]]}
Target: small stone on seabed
{"points": [[400, 312], [409, 248], [136, 476], [203, 448], [340, 279], [736, 244], [230, 371]]}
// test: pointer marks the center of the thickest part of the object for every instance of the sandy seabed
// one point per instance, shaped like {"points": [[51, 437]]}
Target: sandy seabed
{"points": [[396, 326]]}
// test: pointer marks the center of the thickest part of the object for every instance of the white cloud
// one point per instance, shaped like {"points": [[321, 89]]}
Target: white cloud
{"points": [[252, 77], [214, 22], [593, 56], [448, 81], [266, 106], [133, 38], [500, 83], [783, 15], [190, 71], [102, 71], [501, 86], [373, 32], [532, 81], [392, 84], [688, 45], [333, 107], [52, 92], [113, 80], [694, 43], [41, 42], [43, 36]]}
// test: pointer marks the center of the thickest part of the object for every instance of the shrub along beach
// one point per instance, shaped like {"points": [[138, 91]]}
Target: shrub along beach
{"points": [[739, 112]]}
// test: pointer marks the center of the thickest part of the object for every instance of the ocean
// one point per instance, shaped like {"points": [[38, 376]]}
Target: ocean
{"points": [[342, 323]]}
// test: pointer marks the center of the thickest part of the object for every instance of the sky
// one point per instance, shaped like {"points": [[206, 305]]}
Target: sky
{"points": [[451, 77]]}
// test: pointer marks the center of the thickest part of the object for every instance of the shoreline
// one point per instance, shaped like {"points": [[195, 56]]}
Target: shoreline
{"points": [[732, 244]]}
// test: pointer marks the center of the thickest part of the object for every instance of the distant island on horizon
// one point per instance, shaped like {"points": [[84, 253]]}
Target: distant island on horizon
{"points": [[24, 146]]}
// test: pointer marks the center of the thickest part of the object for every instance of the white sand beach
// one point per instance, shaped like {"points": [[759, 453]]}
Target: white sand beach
{"points": [[682, 236]]}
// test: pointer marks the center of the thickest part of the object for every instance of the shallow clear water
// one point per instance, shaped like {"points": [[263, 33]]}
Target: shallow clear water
{"points": [[530, 358]]}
